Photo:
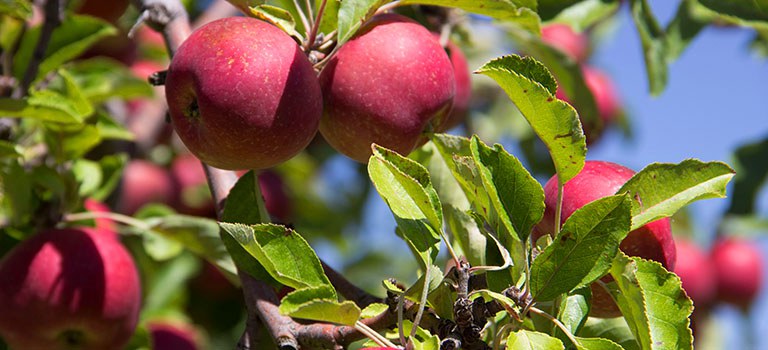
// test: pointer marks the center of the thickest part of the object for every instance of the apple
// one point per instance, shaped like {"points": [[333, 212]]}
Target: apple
{"points": [[145, 182], [195, 196], [739, 269], [596, 180], [275, 196], [173, 336], [72, 288], [696, 272], [606, 99], [562, 37], [103, 223], [242, 94], [463, 88], [386, 86]]}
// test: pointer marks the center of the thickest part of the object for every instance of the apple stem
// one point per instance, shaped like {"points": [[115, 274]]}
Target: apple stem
{"points": [[315, 27], [373, 335], [388, 7], [559, 207], [123, 219]]}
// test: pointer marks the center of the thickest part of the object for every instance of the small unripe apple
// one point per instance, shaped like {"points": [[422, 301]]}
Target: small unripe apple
{"points": [[463, 88], [63, 289], [145, 182], [696, 272], [606, 99], [739, 269], [242, 94], [562, 37], [596, 180], [385, 86], [173, 336]]}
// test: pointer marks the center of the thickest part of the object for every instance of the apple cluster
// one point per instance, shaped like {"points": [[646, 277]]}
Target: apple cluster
{"points": [[252, 104]]}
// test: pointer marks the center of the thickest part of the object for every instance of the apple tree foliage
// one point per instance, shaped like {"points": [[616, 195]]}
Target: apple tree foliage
{"points": [[456, 194]]}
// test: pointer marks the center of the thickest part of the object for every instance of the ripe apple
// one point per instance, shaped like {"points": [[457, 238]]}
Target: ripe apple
{"points": [[242, 94], [73, 288], [145, 182], [173, 336], [739, 270], [463, 88], [562, 37], [697, 273], [385, 86], [596, 180], [195, 196], [606, 98]]}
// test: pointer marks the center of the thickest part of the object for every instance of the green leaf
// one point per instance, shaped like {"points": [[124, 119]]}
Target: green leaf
{"points": [[654, 45], [16, 195], [614, 329], [330, 15], [530, 340], [283, 253], [653, 302], [319, 304], [586, 13], [507, 303], [352, 14], [597, 344], [44, 105], [465, 232], [497, 9], [75, 35], [751, 174], [583, 250], [101, 78], [750, 10], [112, 171], [682, 30], [531, 87], [241, 205], [278, 17], [88, 175], [518, 199], [168, 284], [661, 189], [20, 9], [8, 150], [374, 310], [573, 311], [198, 235], [406, 188]]}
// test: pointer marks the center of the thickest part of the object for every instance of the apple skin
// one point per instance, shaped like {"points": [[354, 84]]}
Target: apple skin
{"points": [[739, 269], [242, 94], [563, 37], [145, 182], [606, 99], [173, 336], [74, 288], [385, 86], [463, 88], [596, 180], [696, 272]]}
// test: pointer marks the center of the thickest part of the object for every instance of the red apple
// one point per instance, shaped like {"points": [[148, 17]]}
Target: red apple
{"points": [[463, 88], [562, 37], [606, 99], [195, 196], [103, 223], [696, 272], [275, 196], [739, 270], [242, 94], [600, 179], [74, 288], [145, 182], [173, 336], [385, 86]]}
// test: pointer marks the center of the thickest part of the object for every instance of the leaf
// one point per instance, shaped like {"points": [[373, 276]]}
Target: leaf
{"points": [[319, 304], [352, 14], [8, 150], [283, 253], [112, 171], [20, 9], [241, 205], [68, 41], [168, 284], [597, 344], [278, 17], [653, 41], [88, 175], [517, 197], [42, 105], [661, 189], [750, 10], [465, 232], [374, 310], [530, 340], [497, 9], [653, 302], [531, 87], [583, 250], [682, 30], [751, 174], [406, 188], [198, 235], [614, 329], [101, 78], [573, 311], [586, 13], [330, 15]]}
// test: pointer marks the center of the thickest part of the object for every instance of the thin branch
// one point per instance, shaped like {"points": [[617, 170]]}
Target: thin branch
{"points": [[315, 27], [557, 323], [91, 215], [54, 15]]}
